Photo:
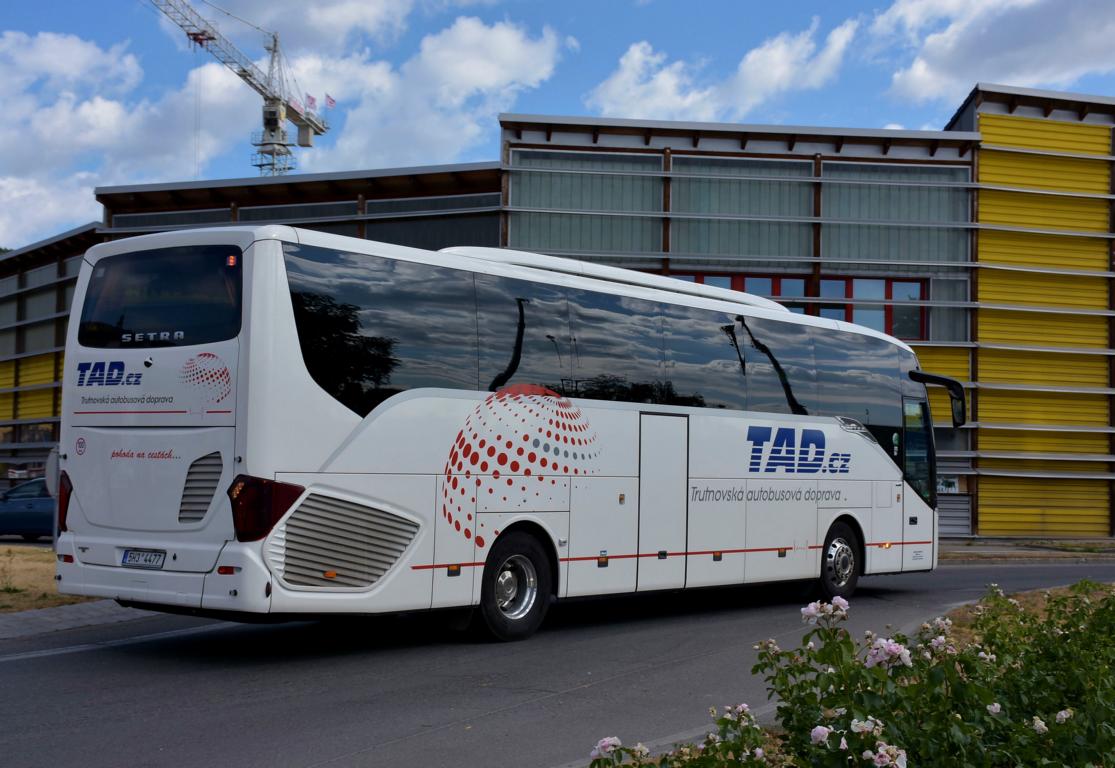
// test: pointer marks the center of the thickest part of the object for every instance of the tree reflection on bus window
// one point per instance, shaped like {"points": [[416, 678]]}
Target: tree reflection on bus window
{"points": [[780, 373], [524, 334], [371, 327]]}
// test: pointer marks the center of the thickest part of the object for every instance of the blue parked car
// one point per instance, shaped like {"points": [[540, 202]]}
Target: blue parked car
{"points": [[27, 510]]}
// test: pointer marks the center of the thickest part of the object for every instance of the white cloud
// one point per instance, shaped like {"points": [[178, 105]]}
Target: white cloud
{"points": [[75, 119], [646, 85], [436, 105], [31, 209], [894, 127], [946, 46]]}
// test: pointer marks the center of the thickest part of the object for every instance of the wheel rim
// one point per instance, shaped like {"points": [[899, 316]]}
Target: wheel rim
{"points": [[516, 587], [840, 562]]}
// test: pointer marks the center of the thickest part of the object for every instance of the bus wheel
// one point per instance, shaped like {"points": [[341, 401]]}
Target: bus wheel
{"points": [[515, 591], [840, 562]]}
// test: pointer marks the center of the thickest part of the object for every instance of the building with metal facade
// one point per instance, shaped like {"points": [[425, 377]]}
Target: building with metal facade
{"points": [[987, 246]]}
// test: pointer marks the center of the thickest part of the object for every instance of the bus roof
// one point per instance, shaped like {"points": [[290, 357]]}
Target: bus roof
{"points": [[510, 263]]}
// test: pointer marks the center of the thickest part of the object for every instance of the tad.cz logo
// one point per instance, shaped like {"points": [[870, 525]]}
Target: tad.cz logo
{"points": [[106, 374], [793, 451]]}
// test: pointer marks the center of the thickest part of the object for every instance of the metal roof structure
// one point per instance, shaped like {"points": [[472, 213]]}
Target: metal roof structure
{"points": [[1048, 101]]}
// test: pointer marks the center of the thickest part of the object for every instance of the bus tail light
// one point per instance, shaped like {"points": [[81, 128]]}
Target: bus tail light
{"points": [[65, 490], [257, 504]]}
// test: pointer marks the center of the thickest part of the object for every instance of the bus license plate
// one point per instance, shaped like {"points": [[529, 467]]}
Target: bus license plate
{"points": [[143, 558]]}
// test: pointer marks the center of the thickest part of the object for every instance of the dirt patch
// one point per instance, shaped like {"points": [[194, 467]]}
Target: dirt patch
{"points": [[964, 617], [27, 580]]}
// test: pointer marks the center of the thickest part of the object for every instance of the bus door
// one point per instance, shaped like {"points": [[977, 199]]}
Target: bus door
{"points": [[663, 512], [919, 507]]}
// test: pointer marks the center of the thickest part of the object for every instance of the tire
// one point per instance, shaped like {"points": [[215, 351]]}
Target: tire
{"points": [[516, 588], [841, 562]]}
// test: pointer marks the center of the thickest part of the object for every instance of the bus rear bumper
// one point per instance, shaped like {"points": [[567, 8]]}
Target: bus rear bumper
{"points": [[246, 589]]}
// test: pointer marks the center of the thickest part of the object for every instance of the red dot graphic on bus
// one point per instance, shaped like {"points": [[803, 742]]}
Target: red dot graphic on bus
{"points": [[518, 414], [208, 373]]}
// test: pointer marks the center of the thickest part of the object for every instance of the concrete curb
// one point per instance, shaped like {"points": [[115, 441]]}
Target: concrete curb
{"points": [[43, 620]]}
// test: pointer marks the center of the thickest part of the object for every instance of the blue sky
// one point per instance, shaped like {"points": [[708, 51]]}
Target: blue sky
{"points": [[108, 92]]}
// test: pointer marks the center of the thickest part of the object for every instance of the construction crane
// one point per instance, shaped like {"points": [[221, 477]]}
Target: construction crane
{"points": [[273, 155]]}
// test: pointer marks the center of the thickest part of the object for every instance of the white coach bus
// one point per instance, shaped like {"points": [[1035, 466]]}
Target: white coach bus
{"points": [[266, 420]]}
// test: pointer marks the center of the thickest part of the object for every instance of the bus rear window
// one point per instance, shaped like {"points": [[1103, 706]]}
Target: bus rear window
{"points": [[169, 297]]}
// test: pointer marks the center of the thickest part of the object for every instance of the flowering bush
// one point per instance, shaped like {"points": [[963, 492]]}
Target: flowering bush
{"points": [[1019, 688]]}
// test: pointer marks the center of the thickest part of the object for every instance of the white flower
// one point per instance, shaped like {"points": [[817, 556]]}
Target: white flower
{"points": [[942, 624], [870, 725], [640, 750], [605, 747], [995, 708], [988, 657], [938, 642], [843, 743], [840, 603], [820, 734], [759, 753], [1064, 715], [1039, 725]]}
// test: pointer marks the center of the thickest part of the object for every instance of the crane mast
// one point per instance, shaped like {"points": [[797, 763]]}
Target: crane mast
{"points": [[273, 155]]}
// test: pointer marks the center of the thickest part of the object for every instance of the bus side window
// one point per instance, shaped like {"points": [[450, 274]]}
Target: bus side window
{"points": [[616, 347], [371, 327], [858, 378], [780, 369], [524, 334], [705, 364]]}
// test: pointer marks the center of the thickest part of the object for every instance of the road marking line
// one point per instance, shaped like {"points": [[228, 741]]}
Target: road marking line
{"points": [[68, 649]]}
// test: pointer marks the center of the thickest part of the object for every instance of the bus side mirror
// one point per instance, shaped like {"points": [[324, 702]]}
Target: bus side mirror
{"points": [[955, 390]]}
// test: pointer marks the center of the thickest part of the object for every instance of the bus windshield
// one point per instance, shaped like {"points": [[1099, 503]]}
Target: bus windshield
{"points": [[170, 297]]}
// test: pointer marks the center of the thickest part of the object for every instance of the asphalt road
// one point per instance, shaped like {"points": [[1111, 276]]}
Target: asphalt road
{"points": [[404, 691]]}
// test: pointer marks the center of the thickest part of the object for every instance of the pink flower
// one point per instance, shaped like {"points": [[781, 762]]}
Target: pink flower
{"points": [[887, 653], [1063, 715], [820, 734], [994, 708], [840, 603], [811, 612], [605, 747]]}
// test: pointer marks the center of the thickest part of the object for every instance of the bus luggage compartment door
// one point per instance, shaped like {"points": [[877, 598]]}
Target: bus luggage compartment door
{"points": [[663, 512]]}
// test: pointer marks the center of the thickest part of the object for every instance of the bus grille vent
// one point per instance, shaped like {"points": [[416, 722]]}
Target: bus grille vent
{"points": [[335, 543], [201, 484]]}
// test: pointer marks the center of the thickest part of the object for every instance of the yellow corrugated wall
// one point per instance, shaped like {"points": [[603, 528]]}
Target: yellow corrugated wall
{"points": [[1045, 135], [7, 403], [7, 374], [1010, 169], [1021, 407], [36, 404], [1042, 329], [1033, 289], [1042, 368], [1042, 441], [36, 370], [1031, 250], [1039, 506], [946, 361], [1019, 209], [1056, 505]]}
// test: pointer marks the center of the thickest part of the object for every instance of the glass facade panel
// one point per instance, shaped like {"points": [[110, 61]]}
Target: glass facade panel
{"points": [[448, 203], [7, 343], [38, 336], [173, 218], [895, 202], [370, 328], [948, 323], [40, 276], [608, 191], [896, 244], [741, 238], [301, 211], [761, 286], [791, 286], [70, 267], [7, 312], [870, 316], [550, 232], [752, 197], [438, 232], [39, 304], [719, 281]]}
